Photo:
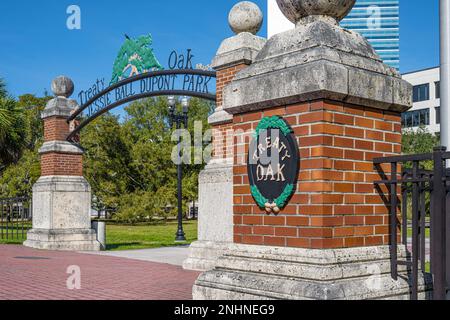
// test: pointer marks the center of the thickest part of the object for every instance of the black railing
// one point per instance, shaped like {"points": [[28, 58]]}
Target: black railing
{"points": [[424, 185], [15, 218]]}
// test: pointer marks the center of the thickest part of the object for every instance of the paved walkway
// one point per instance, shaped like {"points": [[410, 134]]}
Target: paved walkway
{"points": [[427, 248], [42, 275], [170, 255]]}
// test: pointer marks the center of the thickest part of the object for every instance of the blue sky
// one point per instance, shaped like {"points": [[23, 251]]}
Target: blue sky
{"points": [[36, 45]]}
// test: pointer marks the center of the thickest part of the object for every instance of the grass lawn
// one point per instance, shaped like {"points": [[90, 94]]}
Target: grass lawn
{"points": [[14, 233], [126, 237], [129, 237], [12, 241], [427, 233]]}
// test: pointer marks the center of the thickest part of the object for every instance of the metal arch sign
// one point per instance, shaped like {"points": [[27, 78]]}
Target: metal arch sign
{"points": [[195, 83], [273, 164], [137, 74]]}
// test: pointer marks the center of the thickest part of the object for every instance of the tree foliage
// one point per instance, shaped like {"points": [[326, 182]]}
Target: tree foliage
{"points": [[17, 179], [19, 160], [419, 141], [128, 163], [3, 92], [12, 131], [32, 107], [127, 159]]}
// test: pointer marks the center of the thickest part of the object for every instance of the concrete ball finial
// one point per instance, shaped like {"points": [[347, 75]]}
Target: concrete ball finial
{"points": [[295, 10], [63, 87], [245, 17]]}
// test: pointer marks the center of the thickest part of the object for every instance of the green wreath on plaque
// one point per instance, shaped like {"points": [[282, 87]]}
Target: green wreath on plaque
{"points": [[273, 184]]}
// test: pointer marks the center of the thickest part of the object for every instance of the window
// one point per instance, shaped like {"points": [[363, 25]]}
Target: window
{"points": [[421, 92], [407, 119], [438, 115], [438, 89], [416, 118], [424, 117]]}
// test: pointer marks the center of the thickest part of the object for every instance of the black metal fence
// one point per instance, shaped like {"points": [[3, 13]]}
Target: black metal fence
{"points": [[420, 219], [15, 218]]}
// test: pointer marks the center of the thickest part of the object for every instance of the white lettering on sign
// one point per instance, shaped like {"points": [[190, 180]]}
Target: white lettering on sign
{"points": [[268, 173], [272, 171]]}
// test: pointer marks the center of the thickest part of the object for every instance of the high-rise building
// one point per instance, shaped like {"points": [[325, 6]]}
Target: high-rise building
{"points": [[377, 20]]}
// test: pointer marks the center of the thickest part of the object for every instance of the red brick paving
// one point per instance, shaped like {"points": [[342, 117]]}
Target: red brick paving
{"points": [[102, 278]]}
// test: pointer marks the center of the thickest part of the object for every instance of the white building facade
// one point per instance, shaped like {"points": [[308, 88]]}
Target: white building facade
{"points": [[426, 100]]}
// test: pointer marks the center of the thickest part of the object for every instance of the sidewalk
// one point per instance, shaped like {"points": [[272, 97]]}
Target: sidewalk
{"points": [[170, 255], [42, 275]]}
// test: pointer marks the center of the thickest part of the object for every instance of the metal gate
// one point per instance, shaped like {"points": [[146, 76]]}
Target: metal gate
{"points": [[420, 218], [15, 218]]}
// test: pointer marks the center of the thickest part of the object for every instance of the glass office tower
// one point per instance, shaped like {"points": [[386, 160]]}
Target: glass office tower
{"points": [[378, 21]]}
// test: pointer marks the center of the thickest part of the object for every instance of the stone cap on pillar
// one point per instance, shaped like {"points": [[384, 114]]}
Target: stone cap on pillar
{"points": [[61, 105], [245, 19], [317, 60], [61, 108], [63, 147]]}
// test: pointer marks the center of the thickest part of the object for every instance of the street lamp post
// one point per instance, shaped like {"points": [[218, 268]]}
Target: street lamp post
{"points": [[179, 120], [445, 72], [445, 112]]}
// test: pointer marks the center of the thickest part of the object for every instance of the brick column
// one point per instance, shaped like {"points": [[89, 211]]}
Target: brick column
{"points": [[59, 157], [215, 230], [343, 106], [221, 121], [336, 204], [234, 55], [61, 197]]}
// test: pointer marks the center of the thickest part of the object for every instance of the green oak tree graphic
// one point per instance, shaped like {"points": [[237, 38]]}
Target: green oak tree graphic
{"points": [[135, 57]]}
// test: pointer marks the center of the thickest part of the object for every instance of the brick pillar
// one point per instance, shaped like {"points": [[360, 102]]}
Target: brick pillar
{"points": [[343, 106], [61, 197], [336, 204], [215, 230], [59, 157], [221, 121]]}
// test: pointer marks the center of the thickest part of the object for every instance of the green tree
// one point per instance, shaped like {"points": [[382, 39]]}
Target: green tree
{"points": [[32, 107], [3, 92], [12, 132], [17, 180], [5, 117], [19, 164], [419, 141], [107, 161], [129, 163]]}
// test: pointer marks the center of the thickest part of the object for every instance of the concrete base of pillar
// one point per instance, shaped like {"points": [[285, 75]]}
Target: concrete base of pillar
{"points": [[215, 221], [63, 240], [61, 215], [270, 273], [203, 255]]}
